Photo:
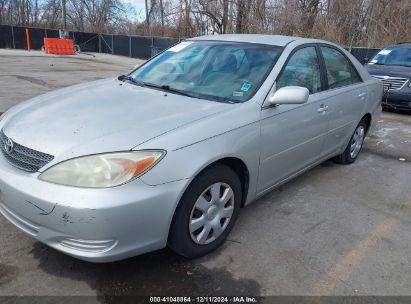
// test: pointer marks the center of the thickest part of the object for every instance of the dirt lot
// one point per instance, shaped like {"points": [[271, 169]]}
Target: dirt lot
{"points": [[336, 230]]}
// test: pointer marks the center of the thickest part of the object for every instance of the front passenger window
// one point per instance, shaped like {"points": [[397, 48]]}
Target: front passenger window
{"points": [[302, 70]]}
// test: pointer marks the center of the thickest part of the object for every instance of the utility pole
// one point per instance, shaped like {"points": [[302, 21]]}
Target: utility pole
{"points": [[162, 17], [147, 15], [63, 12]]}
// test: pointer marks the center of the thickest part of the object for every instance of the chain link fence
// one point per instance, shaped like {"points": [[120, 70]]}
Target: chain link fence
{"points": [[14, 37], [364, 54], [132, 46]]}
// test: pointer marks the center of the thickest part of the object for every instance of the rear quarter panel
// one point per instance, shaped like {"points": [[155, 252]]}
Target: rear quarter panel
{"points": [[375, 95]]}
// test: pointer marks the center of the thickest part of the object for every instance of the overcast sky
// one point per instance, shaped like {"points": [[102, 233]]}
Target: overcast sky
{"points": [[138, 4]]}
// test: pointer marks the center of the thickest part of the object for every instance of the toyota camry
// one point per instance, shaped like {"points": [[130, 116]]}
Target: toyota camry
{"points": [[168, 154]]}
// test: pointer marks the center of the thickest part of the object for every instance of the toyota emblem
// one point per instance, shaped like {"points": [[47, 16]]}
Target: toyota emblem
{"points": [[9, 146]]}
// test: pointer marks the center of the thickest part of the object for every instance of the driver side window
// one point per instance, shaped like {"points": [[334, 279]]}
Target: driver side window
{"points": [[302, 70]]}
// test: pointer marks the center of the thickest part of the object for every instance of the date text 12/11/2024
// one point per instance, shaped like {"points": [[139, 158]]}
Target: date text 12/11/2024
{"points": [[207, 299]]}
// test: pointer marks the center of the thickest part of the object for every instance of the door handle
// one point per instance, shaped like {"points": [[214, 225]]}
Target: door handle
{"points": [[322, 109]]}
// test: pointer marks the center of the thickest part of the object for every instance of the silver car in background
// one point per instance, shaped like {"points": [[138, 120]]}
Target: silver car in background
{"points": [[169, 154]]}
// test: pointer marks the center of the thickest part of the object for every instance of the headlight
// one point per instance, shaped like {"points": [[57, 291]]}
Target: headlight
{"points": [[102, 170]]}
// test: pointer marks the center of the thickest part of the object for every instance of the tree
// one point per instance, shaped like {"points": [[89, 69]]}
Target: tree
{"points": [[346, 22]]}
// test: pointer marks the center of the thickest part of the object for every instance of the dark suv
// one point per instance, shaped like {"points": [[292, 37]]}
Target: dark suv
{"points": [[393, 66]]}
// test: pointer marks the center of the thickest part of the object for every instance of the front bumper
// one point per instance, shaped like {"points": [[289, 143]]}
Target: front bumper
{"points": [[98, 225], [397, 100]]}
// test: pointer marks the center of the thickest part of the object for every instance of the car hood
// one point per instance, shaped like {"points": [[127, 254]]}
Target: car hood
{"points": [[389, 70], [102, 116]]}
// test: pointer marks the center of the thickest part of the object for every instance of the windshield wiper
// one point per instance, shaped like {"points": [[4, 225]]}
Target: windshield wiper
{"points": [[152, 85], [167, 88], [378, 63], [193, 95], [131, 79]]}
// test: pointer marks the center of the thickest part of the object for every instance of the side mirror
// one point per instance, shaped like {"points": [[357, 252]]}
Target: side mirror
{"points": [[365, 60], [289, 95]]}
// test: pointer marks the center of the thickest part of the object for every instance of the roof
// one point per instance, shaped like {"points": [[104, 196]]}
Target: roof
{"points": [[251, 38]]}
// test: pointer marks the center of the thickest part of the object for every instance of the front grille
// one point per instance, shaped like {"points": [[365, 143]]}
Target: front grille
{"points": [[392, 83], [22, 157]]}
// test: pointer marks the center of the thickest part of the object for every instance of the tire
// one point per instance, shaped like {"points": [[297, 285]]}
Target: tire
{"points": [[354, 146], [196, 209]]}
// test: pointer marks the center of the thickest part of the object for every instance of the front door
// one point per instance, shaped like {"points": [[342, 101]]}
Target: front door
{"points": [[292, 136]]}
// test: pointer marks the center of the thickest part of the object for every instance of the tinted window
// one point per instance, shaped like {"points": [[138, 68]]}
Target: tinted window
{"points": [[340, 71], [302, 70]]}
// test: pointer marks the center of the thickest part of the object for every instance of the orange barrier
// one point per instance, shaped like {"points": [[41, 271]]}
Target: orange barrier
{"points": [[28, 39], [59, 46]]}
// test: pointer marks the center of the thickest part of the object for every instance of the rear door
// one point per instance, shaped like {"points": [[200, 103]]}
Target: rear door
{"points": [[346, 97], [292, 136]]}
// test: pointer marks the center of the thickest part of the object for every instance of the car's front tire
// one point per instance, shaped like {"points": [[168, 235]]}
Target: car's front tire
{"points": [[355, 145], [206, 212]]}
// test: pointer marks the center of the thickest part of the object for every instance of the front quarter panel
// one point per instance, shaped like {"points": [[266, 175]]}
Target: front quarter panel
{"points": [[191, 149]]}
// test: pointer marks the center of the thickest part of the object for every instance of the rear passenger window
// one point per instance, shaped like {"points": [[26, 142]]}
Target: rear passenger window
{"points": [[302, 70], [340, 71]]}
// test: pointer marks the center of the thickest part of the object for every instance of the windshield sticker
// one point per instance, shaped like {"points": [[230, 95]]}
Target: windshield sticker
{"points": [[246, 86], [179, 47], [384, 52], [238, 94]]}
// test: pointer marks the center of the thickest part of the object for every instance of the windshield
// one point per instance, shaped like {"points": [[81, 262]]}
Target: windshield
{"points": [[393, 56], [220, 71]]}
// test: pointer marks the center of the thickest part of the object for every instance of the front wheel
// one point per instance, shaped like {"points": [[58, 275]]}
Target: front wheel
{"points": [[206, 213], [354, 147]]}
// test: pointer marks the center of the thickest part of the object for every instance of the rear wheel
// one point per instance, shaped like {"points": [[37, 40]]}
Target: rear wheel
{"points": [[355, 145], [206, 213]]}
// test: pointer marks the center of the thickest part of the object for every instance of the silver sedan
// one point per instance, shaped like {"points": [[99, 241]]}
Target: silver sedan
{"points": [[169, 153]]}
